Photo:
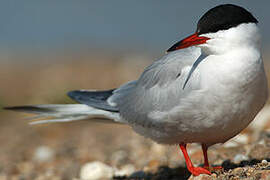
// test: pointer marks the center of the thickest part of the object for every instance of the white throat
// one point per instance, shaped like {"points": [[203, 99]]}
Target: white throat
{"points": [[245, 35]]}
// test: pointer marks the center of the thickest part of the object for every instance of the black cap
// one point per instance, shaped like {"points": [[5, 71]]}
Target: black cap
{"points": [[223, 17]]}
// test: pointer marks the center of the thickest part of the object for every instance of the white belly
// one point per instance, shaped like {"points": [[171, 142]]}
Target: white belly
{"points": [[215, 113]]}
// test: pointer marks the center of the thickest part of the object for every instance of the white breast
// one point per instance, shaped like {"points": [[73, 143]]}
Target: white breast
{"points": [[233, 90]]}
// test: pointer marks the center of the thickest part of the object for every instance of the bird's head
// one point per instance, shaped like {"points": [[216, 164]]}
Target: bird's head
{"points": [[222, 28]]}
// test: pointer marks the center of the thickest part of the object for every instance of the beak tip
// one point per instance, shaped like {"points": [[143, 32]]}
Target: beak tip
{"points": [[168, 50], [192, 40], [173, 48]]}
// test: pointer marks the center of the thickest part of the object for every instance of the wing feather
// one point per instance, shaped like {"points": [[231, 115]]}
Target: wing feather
{"points": [[160, 87]]}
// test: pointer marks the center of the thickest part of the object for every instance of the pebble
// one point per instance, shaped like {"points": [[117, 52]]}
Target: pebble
{"points": [[239, 157], [264, 162], [125, 170], [238, 171], [95, 171], [200, 177], [262, 142], [44, 154]]}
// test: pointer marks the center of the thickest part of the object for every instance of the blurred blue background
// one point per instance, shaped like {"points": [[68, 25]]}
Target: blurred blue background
{"points": [[56, 27]]}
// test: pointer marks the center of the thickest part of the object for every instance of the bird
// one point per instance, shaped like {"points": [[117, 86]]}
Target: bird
{"points": [[206, 89]]}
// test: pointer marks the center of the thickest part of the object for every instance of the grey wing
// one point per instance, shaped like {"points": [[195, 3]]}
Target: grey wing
{"points": [[159, 89]]}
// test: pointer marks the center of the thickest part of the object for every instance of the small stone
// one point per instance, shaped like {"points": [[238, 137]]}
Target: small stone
{"points": [[264, 162], [96, 170], [250, 170], [261, 142], [239, 157], [43, 154], [125, 170], [238, 171], [201, 177]]}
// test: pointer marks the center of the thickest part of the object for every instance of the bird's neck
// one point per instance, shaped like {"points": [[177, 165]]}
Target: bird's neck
{"points": [[244, 36]]}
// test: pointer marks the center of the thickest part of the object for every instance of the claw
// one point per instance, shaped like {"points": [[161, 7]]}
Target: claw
{"points": [[196, 171]]}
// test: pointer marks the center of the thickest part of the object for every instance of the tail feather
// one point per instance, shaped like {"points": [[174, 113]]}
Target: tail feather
{"points": [[37, 109], [66, 113], [97, 99]]}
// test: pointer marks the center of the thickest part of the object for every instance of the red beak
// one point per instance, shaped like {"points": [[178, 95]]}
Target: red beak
{"points": [[192, 40]]}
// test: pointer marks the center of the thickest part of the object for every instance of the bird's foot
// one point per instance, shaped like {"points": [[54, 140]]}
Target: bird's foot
{"points": [[213, 168], [196, 171]]}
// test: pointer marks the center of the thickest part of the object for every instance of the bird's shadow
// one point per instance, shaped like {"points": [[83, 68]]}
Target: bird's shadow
{"points": [[180, 173], [227, 164], [163, 172]]}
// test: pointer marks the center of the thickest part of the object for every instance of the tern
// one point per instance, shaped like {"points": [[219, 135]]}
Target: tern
{"points": [[206, 89]]}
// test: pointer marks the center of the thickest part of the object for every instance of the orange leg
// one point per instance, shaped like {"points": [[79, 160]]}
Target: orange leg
{"points": [[194, 170], [206, 162]]}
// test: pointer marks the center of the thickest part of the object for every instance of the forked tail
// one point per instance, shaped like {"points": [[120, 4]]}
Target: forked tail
{"points": [[94, 107]]}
